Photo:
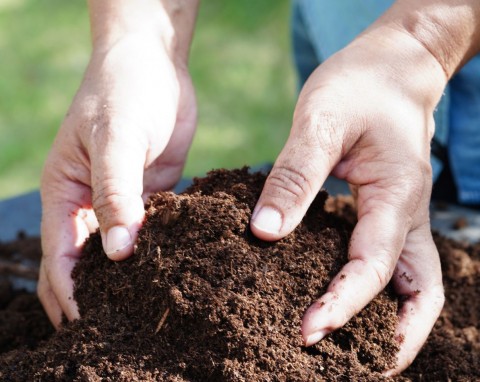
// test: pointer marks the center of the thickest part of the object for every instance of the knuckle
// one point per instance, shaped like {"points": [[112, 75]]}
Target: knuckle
{"points": [[382, 270], [327, 129], [421, 181], [288, 182], [381, 265], [415, 194], [110, 128], [323, 130], [107, 200], [407, 200], [419, 172]]}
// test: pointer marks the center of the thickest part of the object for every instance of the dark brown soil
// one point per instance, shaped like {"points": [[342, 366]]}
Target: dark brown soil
{"points": [[22, 320], [203, 300], [452, 352]]}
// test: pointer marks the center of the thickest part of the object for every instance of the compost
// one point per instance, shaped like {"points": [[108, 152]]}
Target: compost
{"points": [[202, 299]]}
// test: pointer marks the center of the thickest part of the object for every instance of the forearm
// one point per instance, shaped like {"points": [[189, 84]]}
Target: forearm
{"points": [[448, 29], [171, 21]]}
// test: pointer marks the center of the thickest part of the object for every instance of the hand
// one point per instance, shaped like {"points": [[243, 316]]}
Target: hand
{"points": [[125, 136], [366, 116]]}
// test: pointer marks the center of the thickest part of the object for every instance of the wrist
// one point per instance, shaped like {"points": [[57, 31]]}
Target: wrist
{"points": [[402, 64], [449, 30], [169, 22]]}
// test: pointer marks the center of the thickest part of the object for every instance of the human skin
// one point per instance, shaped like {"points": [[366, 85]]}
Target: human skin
{"points": [[125, 136], [365, 115]]}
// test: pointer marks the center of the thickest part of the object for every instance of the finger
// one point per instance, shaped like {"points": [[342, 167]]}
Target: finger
{"points": [[418, 279], [158, 178], [417, 317], [294, 181], [117, 165], [59, 284], [48, 299], [166, 170], [374, 249], [64, 230]]}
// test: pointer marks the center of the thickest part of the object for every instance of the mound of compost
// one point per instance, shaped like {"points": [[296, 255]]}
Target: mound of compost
{"points": [[202, 299]]}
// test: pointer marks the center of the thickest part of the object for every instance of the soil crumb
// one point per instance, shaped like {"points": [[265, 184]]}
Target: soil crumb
{"points": [[202, 299]]}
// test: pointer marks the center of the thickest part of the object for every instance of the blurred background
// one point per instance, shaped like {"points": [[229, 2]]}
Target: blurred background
{"points": [[240, 63]]}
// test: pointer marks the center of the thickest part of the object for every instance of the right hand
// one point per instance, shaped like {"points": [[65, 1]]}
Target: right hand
{"points": [[125, 136], [366, 116]]}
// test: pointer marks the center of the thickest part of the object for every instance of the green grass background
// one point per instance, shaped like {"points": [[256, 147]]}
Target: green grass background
{"points": [[240, 62]]}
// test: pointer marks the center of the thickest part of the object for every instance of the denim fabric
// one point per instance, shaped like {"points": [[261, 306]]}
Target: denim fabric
{"points": [[322, 27]]}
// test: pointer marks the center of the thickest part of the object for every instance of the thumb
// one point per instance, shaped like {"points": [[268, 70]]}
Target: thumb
{"points": [[291, 186], [117, 184]]}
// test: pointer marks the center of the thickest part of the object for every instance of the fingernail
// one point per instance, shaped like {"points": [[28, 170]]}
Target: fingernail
{"points": [[267, 219], [117, 238], [313, 338]]}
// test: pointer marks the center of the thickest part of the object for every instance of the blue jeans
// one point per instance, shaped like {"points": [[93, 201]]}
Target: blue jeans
{"points": [[322, 27]]}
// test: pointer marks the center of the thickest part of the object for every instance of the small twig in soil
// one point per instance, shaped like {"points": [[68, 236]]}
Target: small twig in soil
{"points": [[162, 320]]}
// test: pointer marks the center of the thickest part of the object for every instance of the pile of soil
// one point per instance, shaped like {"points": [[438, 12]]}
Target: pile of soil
{"points": [[203, 300]]}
